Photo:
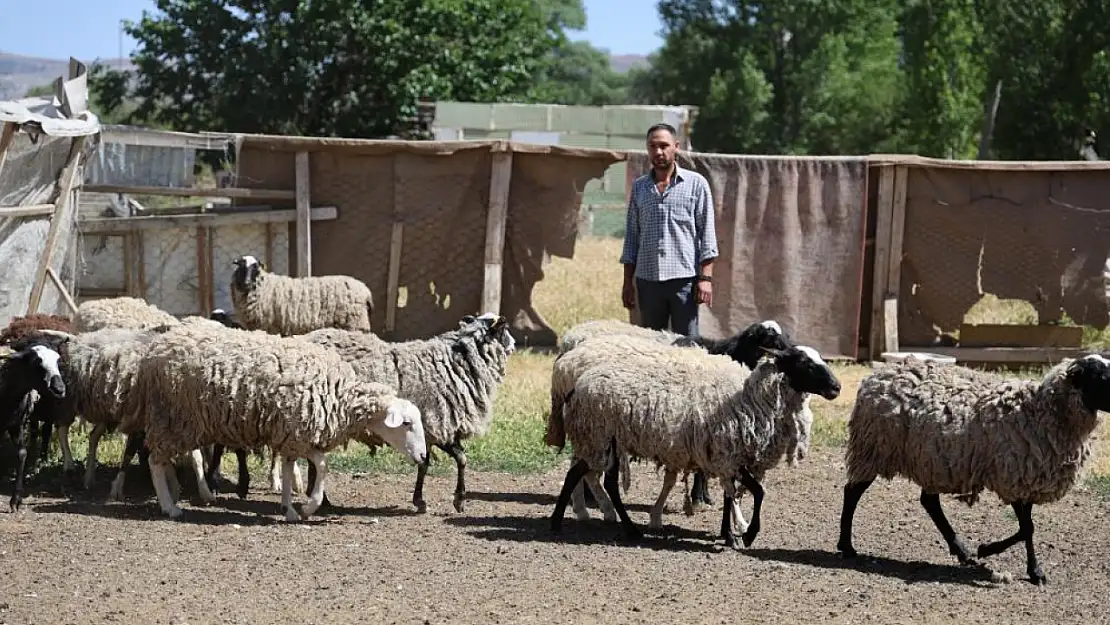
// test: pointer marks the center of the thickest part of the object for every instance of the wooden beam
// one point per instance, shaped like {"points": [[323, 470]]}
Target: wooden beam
{"points": [[202, 270], [62, 290], [140, 261], [883, 218], [394, 284], [119, 225], [1008, 355], [30, 210], [6, 136], [165, 139], [228, 192], [304, 222], [501, 173], [67, 181], [269, 251], [128, 265], [893, 289]]}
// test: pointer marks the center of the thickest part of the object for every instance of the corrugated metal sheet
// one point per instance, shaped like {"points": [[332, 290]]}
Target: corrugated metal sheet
{"points": [[141, 165]]}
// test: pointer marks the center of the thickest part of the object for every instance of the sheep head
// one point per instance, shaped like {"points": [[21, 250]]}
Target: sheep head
{"points": [[248, 270]]}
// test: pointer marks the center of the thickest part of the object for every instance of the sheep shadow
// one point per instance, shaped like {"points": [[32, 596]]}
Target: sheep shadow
{"points": [[528, 499], [977, 575], [537, 529], [149, 511]]}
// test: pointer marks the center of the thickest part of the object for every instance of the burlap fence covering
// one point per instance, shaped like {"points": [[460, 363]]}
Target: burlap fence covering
{"points": [[1016, 230], [791, 237], [440, 191]]}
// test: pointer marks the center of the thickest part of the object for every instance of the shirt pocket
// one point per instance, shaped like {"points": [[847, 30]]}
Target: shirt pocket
{"points": [[681, 215]]}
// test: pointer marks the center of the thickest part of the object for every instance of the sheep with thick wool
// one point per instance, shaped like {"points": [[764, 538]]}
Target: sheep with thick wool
{"points": [[288, 306], [199, 386], [452, 377], [120, 312], [746, 347], [690, 410], [953, 430]]}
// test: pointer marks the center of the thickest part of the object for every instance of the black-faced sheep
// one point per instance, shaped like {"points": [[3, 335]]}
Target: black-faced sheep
{"points": [[706, 413], [287, 306], [28, 374], [953, 430]]}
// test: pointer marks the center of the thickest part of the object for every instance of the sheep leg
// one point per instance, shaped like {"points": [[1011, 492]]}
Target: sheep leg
{"points": [[325, 503], [287, 468], [67, 452], [19, 435], [852, 493], [198, 470], [133, 446], [578, 500], [931, 503], [244, 485], [669, 478], [418, 490], [159, 475], [739, 525], [574, 476], [44, 442], [613, 489], [726, 514], [701, 491], [174, 484], [756, 489], [212, 477], [1024, 513], [456, 451], [317, 459], [593, 481], [275, 473], [90, 457]]}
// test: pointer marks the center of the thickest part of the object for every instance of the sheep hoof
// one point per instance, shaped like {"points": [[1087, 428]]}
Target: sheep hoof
{"points": [[421, 507], [748, 537], [1037, 576], [656, 523], [292, 515], [174, 512], [459, 501], [242, 492], [15, 503], [846, 550]]}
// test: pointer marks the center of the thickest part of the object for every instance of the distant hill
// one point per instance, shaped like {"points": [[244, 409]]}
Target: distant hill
{"points": [[18, 73]]}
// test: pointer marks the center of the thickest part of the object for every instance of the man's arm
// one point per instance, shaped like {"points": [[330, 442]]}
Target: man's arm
{"points": [[631, 249], [706, 230]]}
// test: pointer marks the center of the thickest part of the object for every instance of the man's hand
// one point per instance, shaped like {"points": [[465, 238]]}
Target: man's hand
{"points": [[704, 290], [628, 294]]}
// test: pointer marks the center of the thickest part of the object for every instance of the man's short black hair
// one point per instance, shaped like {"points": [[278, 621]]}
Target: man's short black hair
{"points": [[662, 126]]}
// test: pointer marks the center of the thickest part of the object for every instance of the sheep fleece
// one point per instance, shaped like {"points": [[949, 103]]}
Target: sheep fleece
{"points": [[706, 413], [202, 385], [957, 431], [100, 370], [604, 327], [120, 312], [286, 305], [451, 378]]}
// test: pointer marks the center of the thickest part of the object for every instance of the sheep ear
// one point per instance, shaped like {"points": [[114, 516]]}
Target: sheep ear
{"points": [[773, 352], [499, 323], [393, 418], [466, 320]]}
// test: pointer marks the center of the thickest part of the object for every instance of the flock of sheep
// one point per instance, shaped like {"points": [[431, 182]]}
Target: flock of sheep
{"points": [[299, 372]]}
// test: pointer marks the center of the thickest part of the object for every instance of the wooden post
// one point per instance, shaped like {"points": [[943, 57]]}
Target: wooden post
{"points": [[202, 272], [304, 221], [128, 264], [140, 261], [394, 284], [269, 251], [6, 136], [66, 182], [62, 290], [894, 260], [883, 208], [501, 173]]}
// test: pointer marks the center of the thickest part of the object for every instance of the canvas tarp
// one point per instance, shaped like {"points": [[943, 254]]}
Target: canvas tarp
{"points": [[1023, 231], [440, 192], [29, 174], [791, 234]]}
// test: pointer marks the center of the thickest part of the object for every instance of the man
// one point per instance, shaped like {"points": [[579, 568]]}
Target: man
{"points": [[670, 243]]}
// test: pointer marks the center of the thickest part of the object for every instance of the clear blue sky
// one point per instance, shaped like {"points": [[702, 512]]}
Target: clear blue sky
{"points": [[88, 30]]}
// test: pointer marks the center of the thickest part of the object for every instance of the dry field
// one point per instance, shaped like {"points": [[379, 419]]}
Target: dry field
{"points": [[72, 558]]}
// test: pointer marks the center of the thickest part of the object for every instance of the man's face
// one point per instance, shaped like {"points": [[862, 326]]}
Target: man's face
{"points": [[661, 146]]}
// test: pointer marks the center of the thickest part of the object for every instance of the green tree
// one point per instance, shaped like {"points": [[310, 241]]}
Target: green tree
{"points": [[329, 67], [575, 72]]}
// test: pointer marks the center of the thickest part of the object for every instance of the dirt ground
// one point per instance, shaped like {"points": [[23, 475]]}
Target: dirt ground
{"points": [[371, 560]]}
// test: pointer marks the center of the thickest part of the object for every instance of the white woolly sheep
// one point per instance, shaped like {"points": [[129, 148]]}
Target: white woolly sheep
{"points": [[746, 347], [453, 379], [243, 389], [952, 430], [120, 312], [707, 413], [28, 374], [288, 306]]}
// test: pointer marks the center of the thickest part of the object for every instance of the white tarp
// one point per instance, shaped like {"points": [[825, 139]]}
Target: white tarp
{"points": [[62, 114]]}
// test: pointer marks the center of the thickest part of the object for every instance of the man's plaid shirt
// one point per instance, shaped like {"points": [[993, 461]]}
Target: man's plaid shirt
{"points": [[669, 235]]}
